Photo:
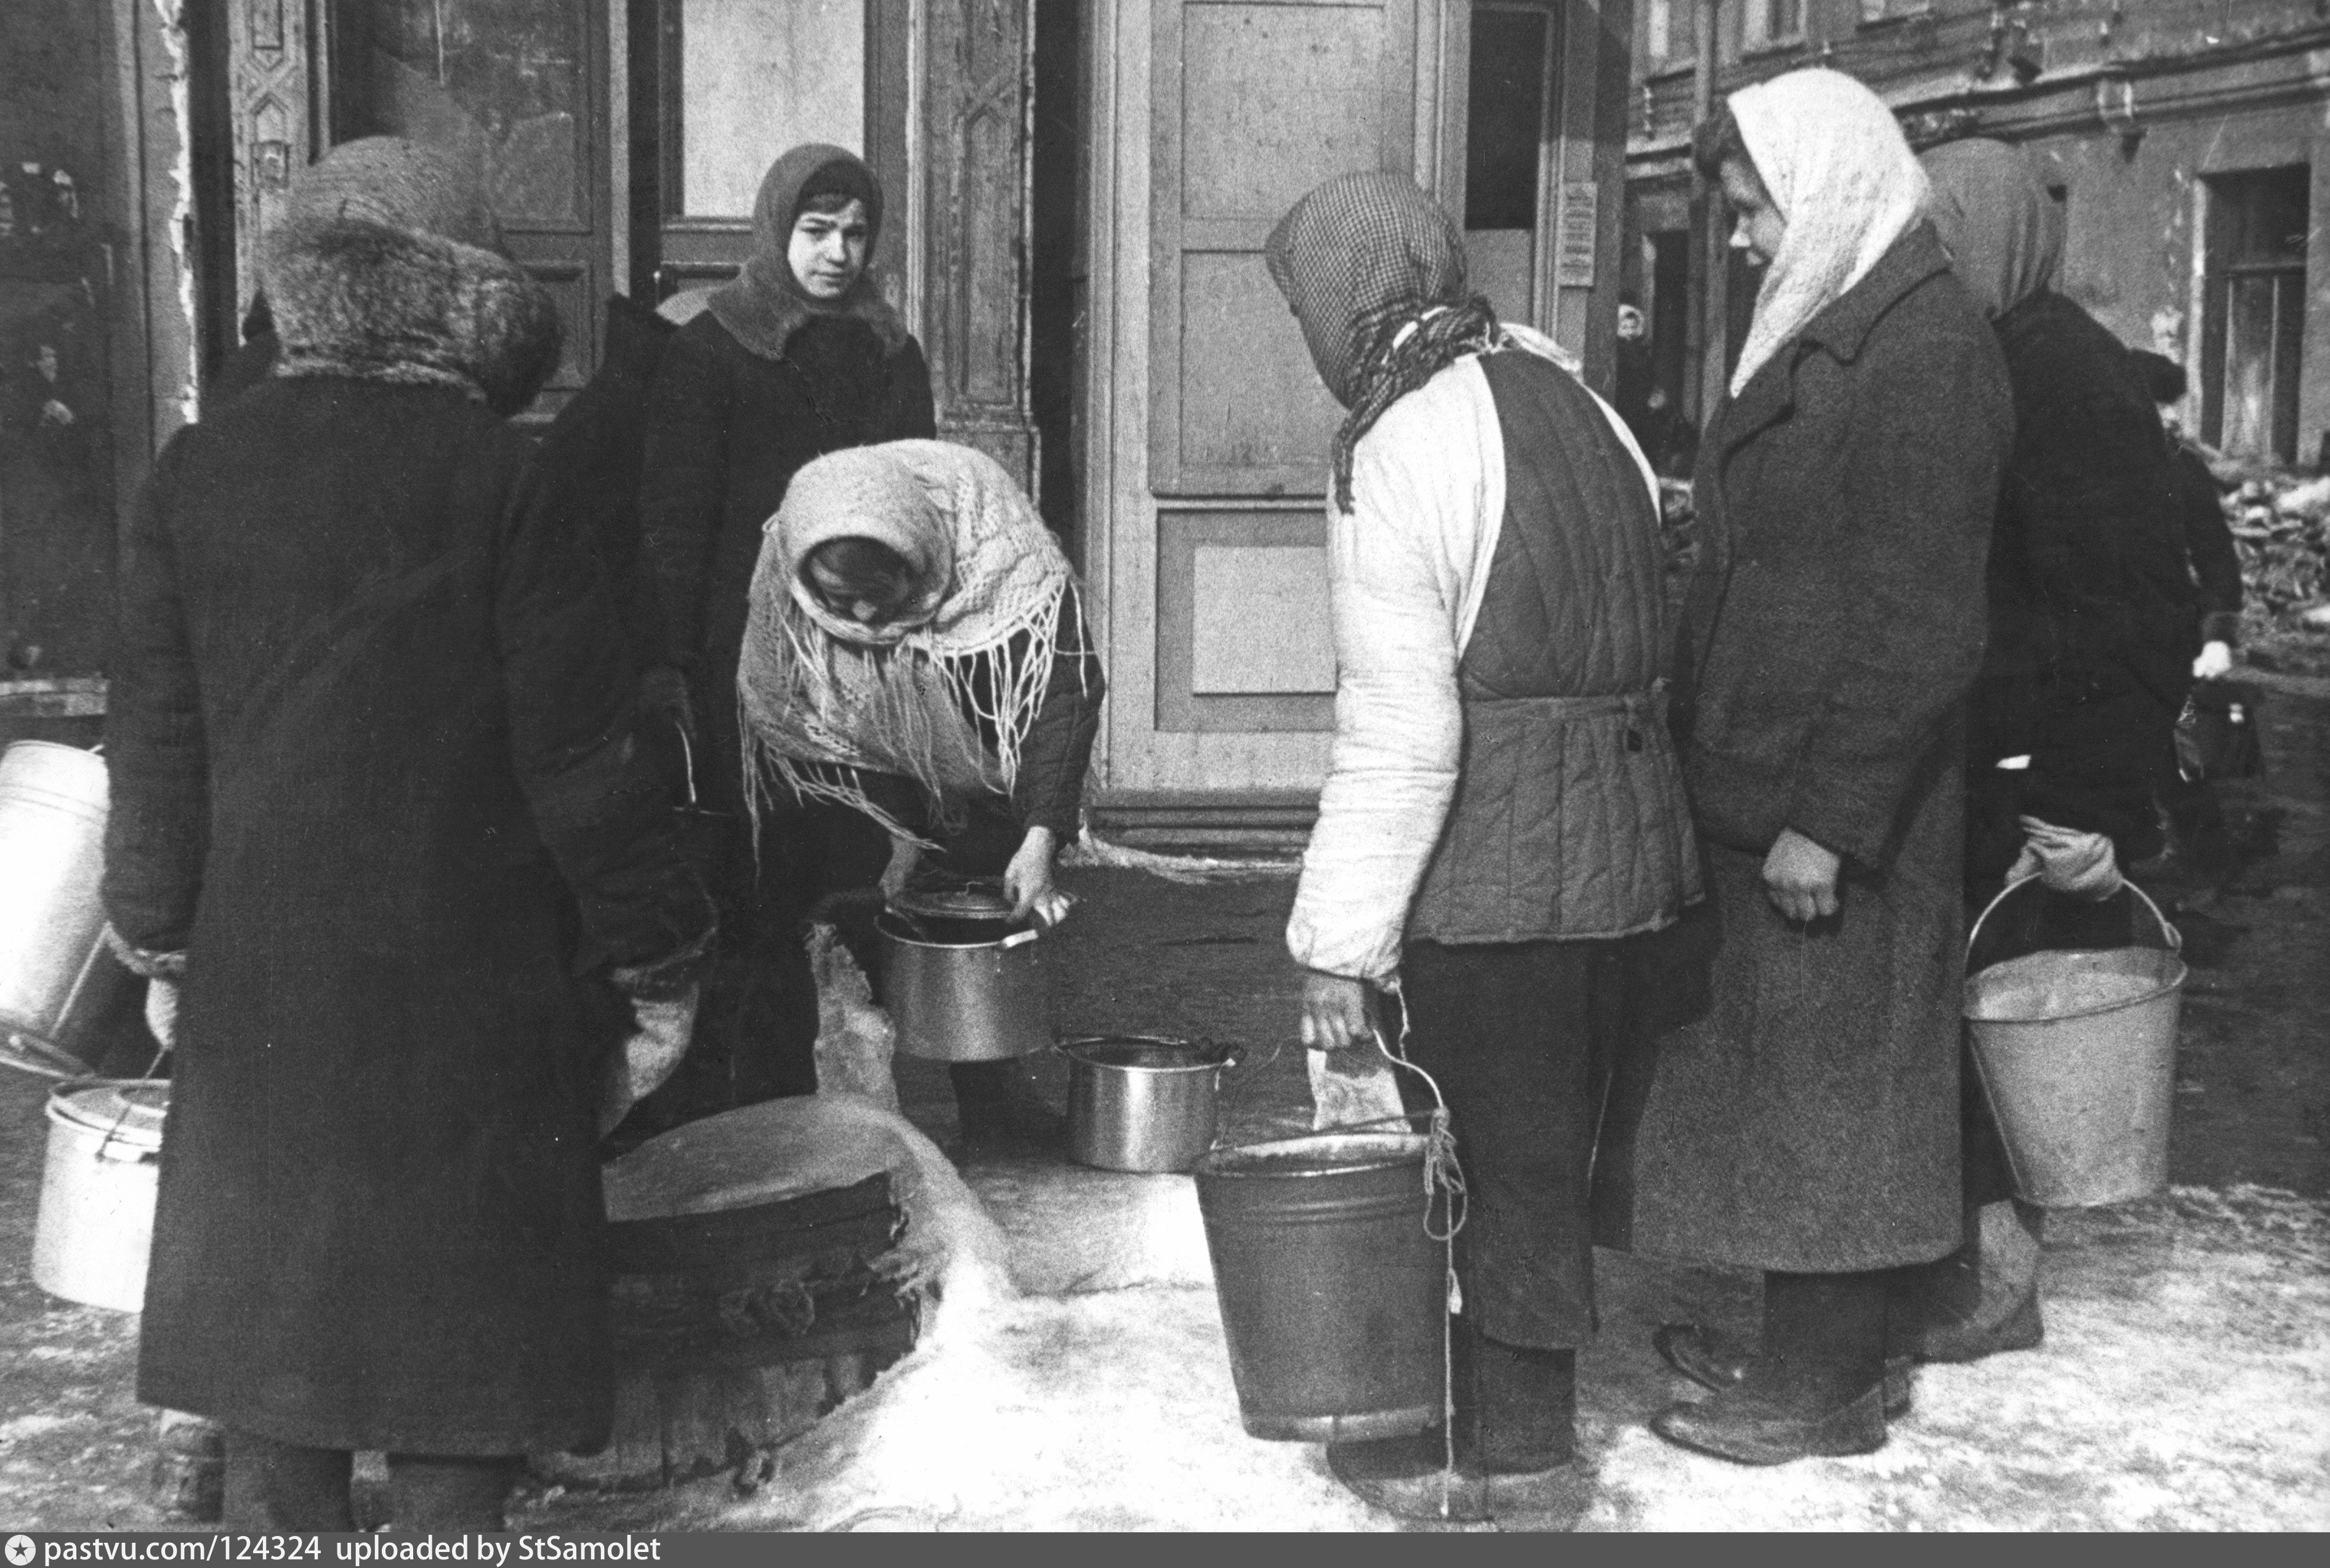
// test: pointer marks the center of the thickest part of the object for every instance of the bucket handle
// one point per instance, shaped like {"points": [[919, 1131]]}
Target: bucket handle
{"points": [[2173, 939]]}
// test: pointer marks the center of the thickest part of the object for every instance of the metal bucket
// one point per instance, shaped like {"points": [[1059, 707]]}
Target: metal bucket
{"points": [[2077, 1052], [56, 978], [1139, 1103], [977, 1000], [1333, 1294], [96, 1223]]}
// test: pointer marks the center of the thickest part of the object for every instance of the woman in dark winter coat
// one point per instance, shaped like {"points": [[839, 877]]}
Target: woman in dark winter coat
{"points": [[1806, 1123], [376, 810], [802, 355], [2092, 623]]}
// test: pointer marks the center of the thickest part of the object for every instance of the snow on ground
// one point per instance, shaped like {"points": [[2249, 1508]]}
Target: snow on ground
{"points": [[2185, 1383]]}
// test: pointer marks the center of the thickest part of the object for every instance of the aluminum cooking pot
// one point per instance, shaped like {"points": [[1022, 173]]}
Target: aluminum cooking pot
{"points": [[1141, 1102], [964, 988]]}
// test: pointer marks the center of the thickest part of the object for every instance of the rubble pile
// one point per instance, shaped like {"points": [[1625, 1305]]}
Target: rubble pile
{"points": [[2281, 531]]}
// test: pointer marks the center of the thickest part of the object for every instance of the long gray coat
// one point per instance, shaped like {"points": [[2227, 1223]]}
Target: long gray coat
{"points": [[1802, 1114]]}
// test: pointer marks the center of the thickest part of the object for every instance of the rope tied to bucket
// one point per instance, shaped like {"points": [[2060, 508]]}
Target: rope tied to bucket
{"points": [[1442, 1173]]}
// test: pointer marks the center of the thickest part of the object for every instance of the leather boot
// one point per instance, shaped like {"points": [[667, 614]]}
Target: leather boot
{"points": [[1516, 1448], [1817, 1387], [1001, 1111], [1716, 1360]]}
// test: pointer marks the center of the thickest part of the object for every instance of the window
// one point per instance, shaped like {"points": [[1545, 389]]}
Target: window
{"points": [[2254, 311], [1766, 23]]}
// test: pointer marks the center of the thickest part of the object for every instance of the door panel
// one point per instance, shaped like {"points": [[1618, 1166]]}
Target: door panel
{"points": [[1256, 102]]}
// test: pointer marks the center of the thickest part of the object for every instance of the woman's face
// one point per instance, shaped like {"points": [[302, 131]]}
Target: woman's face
{"points": [[1757, 225], [828, 252], [844, 597]]}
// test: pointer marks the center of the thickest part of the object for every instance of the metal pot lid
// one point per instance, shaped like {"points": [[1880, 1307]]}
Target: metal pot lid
{"points": [[128, 1109], [964, 902]]}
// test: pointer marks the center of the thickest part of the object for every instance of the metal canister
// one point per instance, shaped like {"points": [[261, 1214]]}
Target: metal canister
{"points": [[1141, 1103], [961, 980], [55, 976]]}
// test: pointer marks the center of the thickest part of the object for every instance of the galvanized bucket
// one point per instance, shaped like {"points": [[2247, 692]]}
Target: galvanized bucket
{"points": [[56, 978], [2077, 1052], [1334, 1289]]}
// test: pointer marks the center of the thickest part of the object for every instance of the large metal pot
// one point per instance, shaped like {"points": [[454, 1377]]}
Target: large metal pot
{"points": [[1142, 1103], [966, 985], [55, 974]]}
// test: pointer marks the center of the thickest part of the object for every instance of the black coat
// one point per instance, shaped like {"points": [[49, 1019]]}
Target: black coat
{"points": [[727, 429], [2092, 617], [371, 776], [591, 458], [1805, 1115], [2208, 545]]}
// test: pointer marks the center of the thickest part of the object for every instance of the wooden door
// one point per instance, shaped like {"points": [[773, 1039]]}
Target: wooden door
{"points": [[1255, 102], [519, 88], [1208, 456]]}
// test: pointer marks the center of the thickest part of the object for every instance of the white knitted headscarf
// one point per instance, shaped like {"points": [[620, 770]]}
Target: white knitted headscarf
{"points": [[1833, 160], [821, 696]]}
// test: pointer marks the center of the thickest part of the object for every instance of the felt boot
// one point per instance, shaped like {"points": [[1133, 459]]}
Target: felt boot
{"points": [[1981, 1299], [274, 1488], [437, 1495]]}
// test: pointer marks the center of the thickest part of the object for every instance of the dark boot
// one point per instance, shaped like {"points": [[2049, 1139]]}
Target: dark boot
{"points": [[1981, 1299], [437, 1495], [1715, 1360], [1516, 1445], [1001, 1111], [274, 1488], [1816, 1388]]}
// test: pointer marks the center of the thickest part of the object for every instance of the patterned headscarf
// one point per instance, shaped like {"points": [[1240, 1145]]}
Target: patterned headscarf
{"points": [[766, 303], [395, 183], [1833, 160], [1375, 273], [2004, 232]]}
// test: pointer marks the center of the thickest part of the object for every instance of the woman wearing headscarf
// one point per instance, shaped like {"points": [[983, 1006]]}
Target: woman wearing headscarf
{"points": [[377, 813], [2092, 634], [1806, 1122], [914, 654], [800, 355], [1502, 812]]}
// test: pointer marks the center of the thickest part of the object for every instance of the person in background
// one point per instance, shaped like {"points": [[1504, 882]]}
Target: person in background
{"points": [[914, 654], [2196, 821], [1503, 811], [378, 814], [2084, 670], [800, 355], [2216, 568], [1804, 1122]]}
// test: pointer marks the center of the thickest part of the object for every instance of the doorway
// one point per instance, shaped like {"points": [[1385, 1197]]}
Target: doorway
{"points": [[1060, 267]]}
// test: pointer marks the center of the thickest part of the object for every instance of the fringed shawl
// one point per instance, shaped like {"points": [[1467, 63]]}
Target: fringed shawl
{"points": [[944, 694]]}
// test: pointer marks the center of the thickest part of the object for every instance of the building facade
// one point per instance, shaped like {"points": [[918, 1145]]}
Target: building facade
{"points": [[2186, 139], [1078, 195]]}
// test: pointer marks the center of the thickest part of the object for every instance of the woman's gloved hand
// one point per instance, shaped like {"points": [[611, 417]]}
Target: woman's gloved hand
{"points": [[2215, 663], [1028, 880], [661, 1029], [162, 1011], [2077, 864]]}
